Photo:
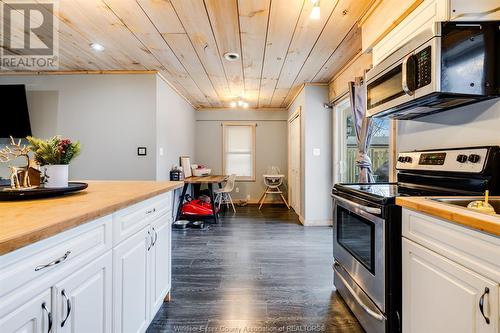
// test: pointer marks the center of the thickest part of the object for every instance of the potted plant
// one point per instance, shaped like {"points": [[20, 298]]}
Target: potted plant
{"points": [[54, 156]]}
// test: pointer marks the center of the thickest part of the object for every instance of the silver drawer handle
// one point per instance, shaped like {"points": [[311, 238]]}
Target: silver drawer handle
{"points": [[150, 239], [49, 317], [151, 211], [372, 313], [155, 236], [55, 262], [481, 305], [68, 307]]}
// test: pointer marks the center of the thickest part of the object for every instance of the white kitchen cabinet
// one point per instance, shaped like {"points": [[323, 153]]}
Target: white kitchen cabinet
{"points": [[442, 296], [83, 300], [107, 275], [451, 276], [34, 316], [421, 18], [160, 262], [141, 276], [131, 298]]}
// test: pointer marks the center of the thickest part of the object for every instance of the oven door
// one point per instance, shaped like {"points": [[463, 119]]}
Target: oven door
{"points": [[359, 246]]}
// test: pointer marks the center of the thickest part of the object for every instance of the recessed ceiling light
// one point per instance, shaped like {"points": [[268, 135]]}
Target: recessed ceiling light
{"points": [[316, 11], [231, 56], [232, 104], [97, 47]]}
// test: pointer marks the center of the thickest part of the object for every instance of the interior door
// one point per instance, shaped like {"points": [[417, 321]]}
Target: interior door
{"points": [[31, 317], [84, 298], [295, 170], [160, 261], [440, 295]]}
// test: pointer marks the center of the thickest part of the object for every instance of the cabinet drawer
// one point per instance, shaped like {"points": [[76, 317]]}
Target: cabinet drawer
{"points": [[52, 256], [473, 249], [131, 220]]}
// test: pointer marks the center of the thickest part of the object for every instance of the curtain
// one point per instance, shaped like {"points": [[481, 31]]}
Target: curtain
{"points": [[363, 128]]}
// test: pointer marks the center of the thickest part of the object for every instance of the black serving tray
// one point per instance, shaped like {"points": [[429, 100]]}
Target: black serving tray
{"points": [[7, 194]]}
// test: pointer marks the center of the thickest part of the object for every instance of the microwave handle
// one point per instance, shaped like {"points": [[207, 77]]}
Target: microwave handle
{"points": [[404, 72]]}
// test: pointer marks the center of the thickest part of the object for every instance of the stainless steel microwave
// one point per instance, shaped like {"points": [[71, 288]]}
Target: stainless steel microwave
{"points": [[450, 65]]}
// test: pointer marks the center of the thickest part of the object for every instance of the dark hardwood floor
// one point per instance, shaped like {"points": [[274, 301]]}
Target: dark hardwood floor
{"points": [[256, 271]]}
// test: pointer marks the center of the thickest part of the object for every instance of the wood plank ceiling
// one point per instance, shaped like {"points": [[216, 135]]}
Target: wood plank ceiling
{"points": [[281, 47]]}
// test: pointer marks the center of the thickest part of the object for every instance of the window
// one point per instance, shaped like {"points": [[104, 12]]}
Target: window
{"points": [[346, 149], [239, 150]]}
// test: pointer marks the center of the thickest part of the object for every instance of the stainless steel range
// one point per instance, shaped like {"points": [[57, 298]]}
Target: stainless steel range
{"points": [[367, 225]]}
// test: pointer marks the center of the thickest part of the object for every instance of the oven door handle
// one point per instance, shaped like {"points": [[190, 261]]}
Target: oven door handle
{"points": [[371, 210], [378, 316]]}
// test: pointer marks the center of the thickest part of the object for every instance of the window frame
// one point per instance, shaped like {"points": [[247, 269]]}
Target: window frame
{"points": [[253, 127], [339, 116]]}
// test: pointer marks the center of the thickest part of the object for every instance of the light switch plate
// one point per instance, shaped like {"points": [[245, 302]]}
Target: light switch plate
{"points": [[316, 152], [161, 151]]}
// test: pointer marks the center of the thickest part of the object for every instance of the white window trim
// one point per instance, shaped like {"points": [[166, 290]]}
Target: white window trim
{"points": [[253, 126], [339, 140]]}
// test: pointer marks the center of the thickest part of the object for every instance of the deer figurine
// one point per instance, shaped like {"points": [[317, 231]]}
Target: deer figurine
{"points": [[12, 152]]}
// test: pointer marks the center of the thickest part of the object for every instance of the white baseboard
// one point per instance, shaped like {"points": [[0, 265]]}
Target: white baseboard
{"points": [[315, 223]]}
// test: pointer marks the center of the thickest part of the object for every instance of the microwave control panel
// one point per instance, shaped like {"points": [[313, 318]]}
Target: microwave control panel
{"points": [[424, 67]]}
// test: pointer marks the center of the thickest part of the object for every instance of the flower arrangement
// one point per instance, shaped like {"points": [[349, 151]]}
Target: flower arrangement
{"points": [[55, 151]]}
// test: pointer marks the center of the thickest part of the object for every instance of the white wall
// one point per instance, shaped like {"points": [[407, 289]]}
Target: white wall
{"points": [[112, 115], [473, 125], [316, 172], [175, 126], [271, 144]]}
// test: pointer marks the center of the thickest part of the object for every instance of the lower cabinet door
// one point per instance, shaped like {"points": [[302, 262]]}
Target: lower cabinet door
{"points": [[83, 301], [131, 296], [160, 262], [33, 316], [440, 295]]}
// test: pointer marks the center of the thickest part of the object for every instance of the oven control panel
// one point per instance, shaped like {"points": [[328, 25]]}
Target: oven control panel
{"points": [[455, 160]]}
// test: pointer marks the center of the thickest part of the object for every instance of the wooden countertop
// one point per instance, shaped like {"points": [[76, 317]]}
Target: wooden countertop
{"points": [[456, 214], [205, 179], [28, 221]]}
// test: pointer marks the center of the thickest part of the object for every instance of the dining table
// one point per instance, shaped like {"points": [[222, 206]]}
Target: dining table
{"points": [[197, 181]]}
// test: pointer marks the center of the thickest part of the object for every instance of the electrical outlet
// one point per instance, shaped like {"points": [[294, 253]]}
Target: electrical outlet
{"points": [[237, 190], [248, 197], [316, 152]]}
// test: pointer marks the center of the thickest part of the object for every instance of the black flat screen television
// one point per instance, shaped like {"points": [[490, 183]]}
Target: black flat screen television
{"points": [[14, 116]]}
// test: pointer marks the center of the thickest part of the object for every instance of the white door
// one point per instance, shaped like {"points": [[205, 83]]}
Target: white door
{"points": [[441, 296], [31, 317], [294, 174], [83, 300], [160, 262], [131, 300]]}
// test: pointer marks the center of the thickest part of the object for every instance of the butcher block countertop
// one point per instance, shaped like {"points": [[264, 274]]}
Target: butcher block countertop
{"points": [[483, 222], [28, 221]]}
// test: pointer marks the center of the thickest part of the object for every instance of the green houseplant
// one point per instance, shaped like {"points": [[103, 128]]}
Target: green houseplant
{"points": [[54, 155]]}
